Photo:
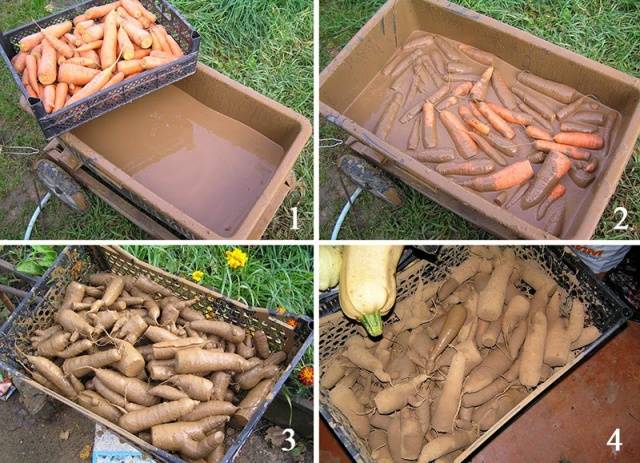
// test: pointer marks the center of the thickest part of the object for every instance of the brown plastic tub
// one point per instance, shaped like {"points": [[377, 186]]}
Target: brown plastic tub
{"points": [[206, 156], [363, 58]]}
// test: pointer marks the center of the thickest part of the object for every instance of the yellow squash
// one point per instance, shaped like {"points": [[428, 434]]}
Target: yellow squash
{"points": [[330, 263]]}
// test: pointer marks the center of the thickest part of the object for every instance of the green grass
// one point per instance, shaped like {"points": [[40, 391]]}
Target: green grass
{"points": [[606, 31], [265, 45]]}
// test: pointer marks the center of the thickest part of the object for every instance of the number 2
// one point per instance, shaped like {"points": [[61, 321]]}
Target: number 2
{"points": [[619, 226], [290, 440], [294, 218], [614, 440]]}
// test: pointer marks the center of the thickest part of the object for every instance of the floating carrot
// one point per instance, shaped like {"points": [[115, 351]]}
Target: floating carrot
{"points": [[90, 46], [436, 155], [568, 110], [608, 131], [513, 117], [74, 74], [567, 150], [533, 101], [538, 133], [389, 116], [422, 76], [429, 67], [555, 222], [581, 140], [414, 137], [558, 192], [62, 91], [588, 166], [560, 92], [462, 89], [577, 127], [477, 55], [526, 109], [508, 177], [554, 168], [496, 121], [501, 198], [137, 35], [438, 61], [390, 66], [515, 199], [429, 132], [474, 167], [461, 68], [589, 117], [117, 78], [461, 77], [130, 67], [447, 49], [458, 132], [502, 144], [467, 117], [98, 12], [48, 65], [580, 177], [489, 150], [419, 42], [19, 62], [451, 101], [49, 97], [537, 157], [404, 64], [502, 90], [481, 87]]}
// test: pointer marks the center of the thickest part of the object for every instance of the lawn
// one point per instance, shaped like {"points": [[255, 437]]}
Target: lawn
{"points": [[606, 31], [265, 45]]}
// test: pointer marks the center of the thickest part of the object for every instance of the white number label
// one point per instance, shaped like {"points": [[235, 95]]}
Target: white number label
{"points": [[614, 440], [294, 218], [619, 226], [289, 440]]}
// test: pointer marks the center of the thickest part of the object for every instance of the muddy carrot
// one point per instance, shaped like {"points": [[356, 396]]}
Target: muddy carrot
{"points": [[421, 75], [554, 168], [513, 117], [19, 62], [477, 55], [431, 70], [501, 198], [580, 177], [515, 199], [567, 150], [591, 141], [433, 98], [560, 92], [405, 63], [130, 67], [474, 167], [429, 132], [555, 220], [117, 78], [489, 150], [588, 166], [577, 127], [467, 117], [502, 90], [438, 61], [447, 49], [558, 192], [414, 137], [496, 121], [175, 48], [62, 91], [137, 35], [49, 97], [461, 77], [535, 102], [389, 116], [569, 109], [390, 66], [436, 155], [608, 131], [96, 84], [536, 117], [508, 177], [537, 157], [90, 46], [451, 101], [132, 8], [537, 133], [502, 144], [98, 12], [589, 117], [74, 74], [461, 68], [413, 88], [481, 87], [463, 142], [419, 42], [439, 94], [476, 112], [462, 89], [47, 65]]}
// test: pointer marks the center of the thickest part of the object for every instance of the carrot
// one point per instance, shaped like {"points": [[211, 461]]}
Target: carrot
{"points": [[582, 140], [155, 40], [172, 436], [75, 349], [132, 8], [477, 55], [435, 155], [467, 117], [196, 360], [93, 33], [92, 87], [537, 157], [556, 193], [414, 137], [588, 335], [460, 68], [536, 117], [176, 50], [569, 109], [462, 89], [538, 133], [430, 68], [363, 359], [72, 40], [47, 65], [464, 143], [116, 79], [447, 49], [389, 116], [130, 67], [496, 121], [49, 97], [511, 116], [254, 398], [438, 61], [151, 62], [98, 12], [419, 42], [589, 117], [126, 48], [496, 363], [406, 63], [481, 87], [227, 331], [453, 322], [53, 374], [137, 35], [162, 37], [474, 167], [395, 397], [461, 77], [535, 102], [491, 298], [109, 50], [90, 46], [607, 134], [137, 421], [555, 90], [577, 127], [84, 62], [451, 101], [567, 150], [448, 403], [54, 344], [556, 165], [146, 13], [446, 444], [489, 150], [555, 220], [512, 175], [82, 365], [502, 90], [31, 41], [74, 74], [19, 62], [132, 389]]}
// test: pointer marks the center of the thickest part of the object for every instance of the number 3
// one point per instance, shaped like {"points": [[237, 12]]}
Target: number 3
{"points": [[290, 440], [619, 226], [614, 440]]}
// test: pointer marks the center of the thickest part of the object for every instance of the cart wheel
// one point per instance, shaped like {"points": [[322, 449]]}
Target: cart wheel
{"points": [[62, 185], [370, 178]]}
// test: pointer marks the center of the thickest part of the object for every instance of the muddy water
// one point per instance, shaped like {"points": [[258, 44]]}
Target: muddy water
{"points": [[208, 165], [370, 104]]}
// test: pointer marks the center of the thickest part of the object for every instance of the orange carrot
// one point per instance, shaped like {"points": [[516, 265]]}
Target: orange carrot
{"points": [[435, 155], [582, 140], [538, 133], [74, 74], [92, 55], [175, 48], [84, 62], [162, 37], [132, 8], [474, 167], [558, 192], [90, 46], [137, 35], [488, 149], [513, 117], [80, 18], [477, 55], [59, 45], [125, 46], [93, 33], [481, 87], [536, 117], [123, 15], [462, 89], [82, 27], [37, 51], [29, 42], [96, 84], [98, 12], [502, 90], [141, 53], [429, 132], [30, 91], [512, 175], [109, 50], [72, 40], [146, 13], [161, 54], [130, 67], [62, 91], [458, 133], [49, 97], [467, 117], [451, 101], [48, 65], [557, 91], [567, 150], [555, 167], [535, 102], [151, 62], [117, 78], [496, 121], [19, 62], [155, 40]]}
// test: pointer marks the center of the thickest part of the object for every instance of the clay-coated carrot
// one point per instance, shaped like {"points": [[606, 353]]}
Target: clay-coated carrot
{"points": [[62, 91], [389, 116], [512, 175], [429, 66], [489, 150], [109, 50], [461, 68], [502, 144], [49, 97], [137, 35], [447, 49], [74, 74], [406, 62], [515, 199], [569, 109], [462, 89], [589, 117], [496, 121], [467, 117], [502, 90], [514, 117], [421, 77], [477, 55], [96, 84], [577, 127], [461, 77], [609, 124], [591, 141], [588, 166], [538, 133], [438, 61], [567, 150], [473, 167], [458, 132], [501, 198], [130, 67], [555, 220], [481, 87], [132, 8], [526, 109], [429, 132], [434, 99], [451, 101], [419, 42], [90, 46], [117, 78], [537, 157], [535, 102], [558, 192], [390, 66], [19, 62], [560, 92], [439, 94], [48, 65], [98, 12], [414, 137], [436, 155], [175, 48], [554, 168], [125, 47], [580, 177]]}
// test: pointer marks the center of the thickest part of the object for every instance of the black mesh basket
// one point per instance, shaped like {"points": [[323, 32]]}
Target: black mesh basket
{"points": [[120, 94]]}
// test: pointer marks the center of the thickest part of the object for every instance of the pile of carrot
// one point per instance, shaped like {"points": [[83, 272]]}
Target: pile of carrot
{"points": [[455, 357], [67, 62], [131, 351], [454, 80]]}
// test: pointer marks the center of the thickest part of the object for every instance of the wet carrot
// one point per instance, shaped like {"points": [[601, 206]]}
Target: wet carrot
{"points": [[554, 168], [496, 121], [481, 87], [389, 116], [447, 49], [555, 222], [569, 109], [117, 78], [62, 91], [405, 63], [461, 77], [580, 177], [429, 132], [467, 117], [588, 166], [567, 150], [589, 117], [438, 61], [467, 168], [458, 133], [421, 76], [537, 133], [533, 101], [436, 155], [536, 117], [591, 141], [74, 74], [577, 127], [489, 150], [419, 42], [451, 101], [125, 47], [90, 46], [513, 117], [608, 131], [461, 68], [560, 92], [98, 12], [517, 195], [433, 98], [130, 67], [502, 90], [428, 65], [558, 192], [49, 98], [477, 55], [501, 198], [414, 137], [502, 144], [537, 157], [413, 88], [508, 177], [137, 35], [462, 89], [391, 65], [48, 65], [19, 62]]}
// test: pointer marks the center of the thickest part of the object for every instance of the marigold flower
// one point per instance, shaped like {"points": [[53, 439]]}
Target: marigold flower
{"points": [[236, 258], [197, 276], [305, 375], [292, 322]]}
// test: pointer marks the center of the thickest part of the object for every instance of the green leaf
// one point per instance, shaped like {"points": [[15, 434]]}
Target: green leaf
{"points": [[29, 267]]}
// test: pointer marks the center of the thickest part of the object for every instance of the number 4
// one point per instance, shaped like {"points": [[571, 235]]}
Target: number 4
{"points": [[614, 440]]}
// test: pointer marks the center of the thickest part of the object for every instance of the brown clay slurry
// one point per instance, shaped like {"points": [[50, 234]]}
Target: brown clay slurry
{"points": [[370, 105], [206, 164]]}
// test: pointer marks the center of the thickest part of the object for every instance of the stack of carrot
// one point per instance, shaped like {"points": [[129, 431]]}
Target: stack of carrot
{"points": [[66, 62]]}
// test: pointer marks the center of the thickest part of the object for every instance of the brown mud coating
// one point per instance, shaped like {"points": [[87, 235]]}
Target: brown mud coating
{"points": [[209, 165], [370, 105]]}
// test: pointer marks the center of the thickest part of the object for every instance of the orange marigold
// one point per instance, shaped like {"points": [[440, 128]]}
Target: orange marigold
{"points": [[305, 376]]}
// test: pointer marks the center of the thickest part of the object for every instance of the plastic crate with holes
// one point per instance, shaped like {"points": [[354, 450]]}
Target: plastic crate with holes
{"points": [[119, 94], [37, 310], [604, 309]]}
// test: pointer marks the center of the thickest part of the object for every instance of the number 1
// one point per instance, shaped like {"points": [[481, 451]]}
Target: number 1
{"points": [[294, 214]]}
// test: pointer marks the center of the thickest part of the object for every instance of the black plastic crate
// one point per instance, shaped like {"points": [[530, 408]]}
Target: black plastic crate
{"points": [[120, 94]]}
